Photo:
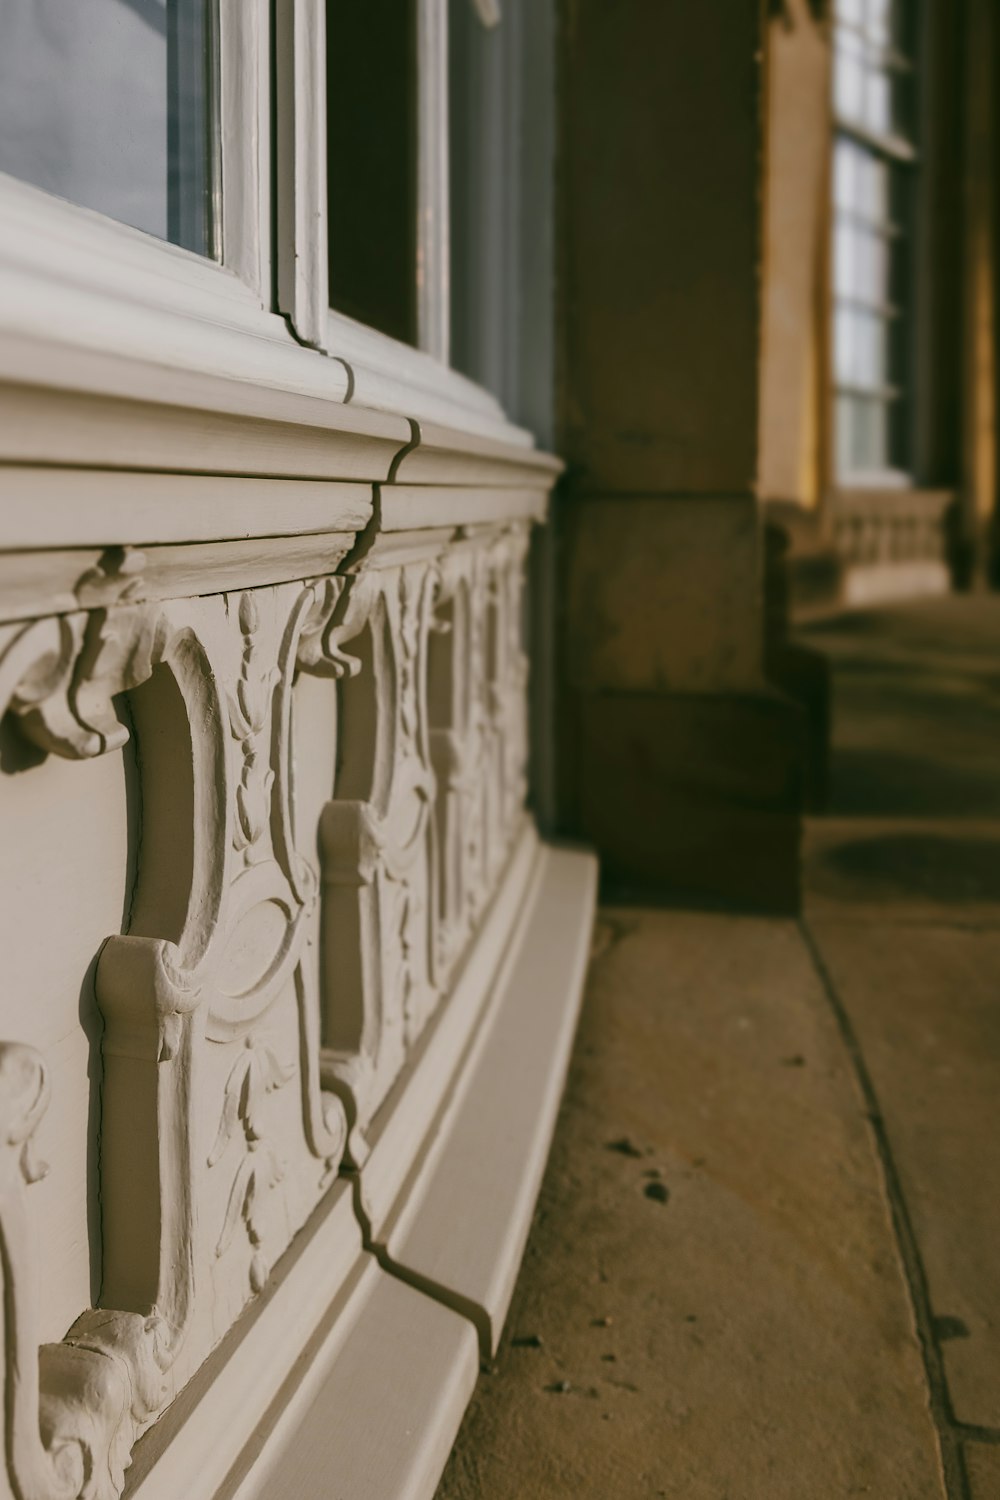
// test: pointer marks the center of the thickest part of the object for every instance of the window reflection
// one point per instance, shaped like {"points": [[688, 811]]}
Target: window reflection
{"points": [[108, 103], [873, 168]]}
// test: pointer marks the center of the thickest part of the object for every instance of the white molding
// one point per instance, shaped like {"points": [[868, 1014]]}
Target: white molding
{"points": [[433, 235], [406, 1122], [191, 1450], [62, 242], [482, 1171], [375, 1415], [370, 1407], [212, 424], [300, 71], [142, 320], [54, 582], [95, 508], [90, 304], [245, 141], [867, 585], [403, 506], [447, 455], [391, 376]]}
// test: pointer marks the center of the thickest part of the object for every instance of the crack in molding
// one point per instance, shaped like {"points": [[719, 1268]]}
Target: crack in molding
{"points": [[406, 449], [349, 369], [365, 539], [950, 1433], [436, 1290]]}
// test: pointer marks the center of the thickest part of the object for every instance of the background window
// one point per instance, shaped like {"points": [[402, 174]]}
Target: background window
{"points": [[109, 103], [371, 162], [874, 172]]}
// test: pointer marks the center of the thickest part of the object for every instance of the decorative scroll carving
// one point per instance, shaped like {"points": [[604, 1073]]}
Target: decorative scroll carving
{"points": [[426, 810], [212, 1000], [376, 836], [235, 1055], [479, 726], [63, 674], [35, 1470]]}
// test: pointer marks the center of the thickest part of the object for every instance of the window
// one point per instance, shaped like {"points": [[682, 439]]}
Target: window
{"points": [[301, 149], [422, 166], [109, 103], [874, 187], [371, 168]]}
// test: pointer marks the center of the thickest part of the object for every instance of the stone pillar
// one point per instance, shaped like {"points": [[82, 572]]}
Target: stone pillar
{"points": [[677, 759]]}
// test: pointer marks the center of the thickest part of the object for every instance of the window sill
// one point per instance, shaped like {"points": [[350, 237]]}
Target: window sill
{"points": [[106, 332], [393, 376], [871, 480]]}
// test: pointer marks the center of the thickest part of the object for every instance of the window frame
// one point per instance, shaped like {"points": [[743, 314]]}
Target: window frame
{"points": [[900, 152], [384, 372], [79, 238], [73, 280]]}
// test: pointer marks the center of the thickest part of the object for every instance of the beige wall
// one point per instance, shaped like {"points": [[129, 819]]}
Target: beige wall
{"points": [[794, 311], [662, 680], [979, 270]]}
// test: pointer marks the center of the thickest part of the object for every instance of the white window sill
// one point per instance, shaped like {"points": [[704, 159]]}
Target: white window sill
{"points": [[95, 307]]}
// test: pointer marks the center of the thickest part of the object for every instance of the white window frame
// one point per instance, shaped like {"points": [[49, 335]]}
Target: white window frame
{"points": [[73, 280], [899, 152], [384, 372], [93, 253]]}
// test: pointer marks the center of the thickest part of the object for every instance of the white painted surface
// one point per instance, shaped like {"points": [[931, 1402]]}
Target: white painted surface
{"points": [[482, 1174], [381, 1423], [65, 852], [879, 583], [265, 752]]}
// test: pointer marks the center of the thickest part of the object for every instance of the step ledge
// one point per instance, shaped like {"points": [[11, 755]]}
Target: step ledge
{"points": [[351, 1377]]}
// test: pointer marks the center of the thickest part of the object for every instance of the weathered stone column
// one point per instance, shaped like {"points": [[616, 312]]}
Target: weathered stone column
{"points": [[677, 759]]}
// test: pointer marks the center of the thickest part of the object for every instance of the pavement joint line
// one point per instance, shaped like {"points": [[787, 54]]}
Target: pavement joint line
{"points": [[927, 924], [971, 1433], [949, 1431]]}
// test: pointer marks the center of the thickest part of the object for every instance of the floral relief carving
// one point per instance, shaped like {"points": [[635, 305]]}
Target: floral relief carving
{"points": [[248, 716], [479, 735], [263, 999], [178, 1001], [378, 843], [255, 1074]]}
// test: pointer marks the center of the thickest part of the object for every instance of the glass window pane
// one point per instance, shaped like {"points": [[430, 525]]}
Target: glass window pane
{"points": [[878, 101], [849, 77], [109, 103], [480, 139], [844, 435], [874, 192], [861, 349], [874, 263], [845, 276], [878, 21], [848, 165], [862, 435], [371, 162]]}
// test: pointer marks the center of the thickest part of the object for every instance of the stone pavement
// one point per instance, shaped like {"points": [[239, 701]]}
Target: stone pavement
{"points": [[765, 1264]]}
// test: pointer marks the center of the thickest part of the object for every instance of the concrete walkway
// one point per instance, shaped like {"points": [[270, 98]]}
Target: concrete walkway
{"points": [[766, 1259]]}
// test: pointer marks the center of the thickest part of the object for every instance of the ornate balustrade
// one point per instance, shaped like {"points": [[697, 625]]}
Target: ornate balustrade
{"points": [[323, 736], [891, 542]]}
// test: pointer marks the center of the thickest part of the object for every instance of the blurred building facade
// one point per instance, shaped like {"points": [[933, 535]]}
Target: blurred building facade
{"points": [[422, 421], [777, 392]]}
